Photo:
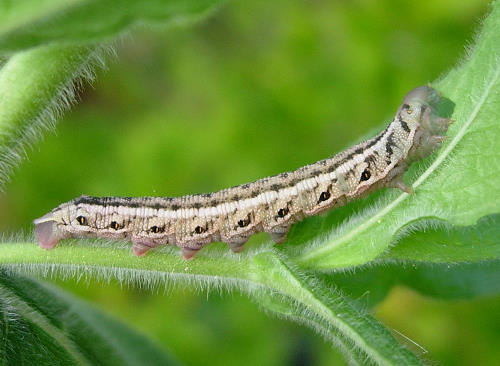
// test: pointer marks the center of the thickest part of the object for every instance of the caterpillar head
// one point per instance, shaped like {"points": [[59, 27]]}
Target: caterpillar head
{"points": [[419, 111], [423, 95], [420, 106]]}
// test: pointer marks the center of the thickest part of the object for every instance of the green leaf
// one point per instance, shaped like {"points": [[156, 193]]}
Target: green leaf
{"points": [[369, 285], [30, 23], [41, 325], [316, 303], [35, 87], [457, 185], [441, 243], [459, 281], [261, 274]]}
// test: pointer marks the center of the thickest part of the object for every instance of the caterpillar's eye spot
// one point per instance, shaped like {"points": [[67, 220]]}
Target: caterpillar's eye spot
{"points": [[157, 229], [282, 212], [154, 229], [82, 220], [114, 225], [365, 175], [324, 196], [243, 223], [199, 230]]}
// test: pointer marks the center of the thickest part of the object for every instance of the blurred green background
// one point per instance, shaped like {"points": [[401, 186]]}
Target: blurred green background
{"points": [[255, 89]]}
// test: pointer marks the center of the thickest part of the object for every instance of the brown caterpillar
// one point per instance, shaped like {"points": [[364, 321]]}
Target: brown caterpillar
{"points": [[270, 204]]}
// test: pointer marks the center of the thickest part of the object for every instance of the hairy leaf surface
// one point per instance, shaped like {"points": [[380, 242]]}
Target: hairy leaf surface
{"points": [[42, 325]]}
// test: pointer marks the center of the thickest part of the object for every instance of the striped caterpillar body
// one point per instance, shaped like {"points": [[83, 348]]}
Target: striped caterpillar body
{"points": [[270, 204]]}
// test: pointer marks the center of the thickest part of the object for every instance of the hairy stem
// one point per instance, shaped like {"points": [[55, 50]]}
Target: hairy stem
{"points": [[265, 276]]}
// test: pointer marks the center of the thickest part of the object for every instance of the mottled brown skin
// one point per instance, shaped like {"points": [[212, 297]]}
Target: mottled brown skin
{"points": [[270, 204]]}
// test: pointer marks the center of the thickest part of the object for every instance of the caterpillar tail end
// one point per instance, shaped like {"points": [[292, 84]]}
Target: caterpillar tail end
{"points": [[46, 233]]}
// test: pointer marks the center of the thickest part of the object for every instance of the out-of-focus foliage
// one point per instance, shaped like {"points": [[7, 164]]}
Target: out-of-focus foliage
{"points": [[257, 89], [30, 23]]}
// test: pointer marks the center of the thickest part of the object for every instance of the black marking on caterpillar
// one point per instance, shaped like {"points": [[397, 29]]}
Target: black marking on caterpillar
{"points": [[270, 204]]}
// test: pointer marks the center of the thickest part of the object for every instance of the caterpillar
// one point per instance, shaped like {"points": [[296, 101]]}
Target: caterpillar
{"points": [[270, 204]]}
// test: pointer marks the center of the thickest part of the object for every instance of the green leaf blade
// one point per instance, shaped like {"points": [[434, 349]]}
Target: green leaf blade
{"points": [[43, 325], [444, 243], [371, 284], [457, 186], [35, 87], [81, 22]]}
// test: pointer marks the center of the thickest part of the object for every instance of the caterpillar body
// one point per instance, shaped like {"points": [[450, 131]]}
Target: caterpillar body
{"points": [[270, 204]]}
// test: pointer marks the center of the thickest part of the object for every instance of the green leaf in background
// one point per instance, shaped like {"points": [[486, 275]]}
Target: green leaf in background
{"points": [[454, 281], [37, 85], [41, 325], [29, 23], [442, 243], [370, 284], [458, 185]]}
